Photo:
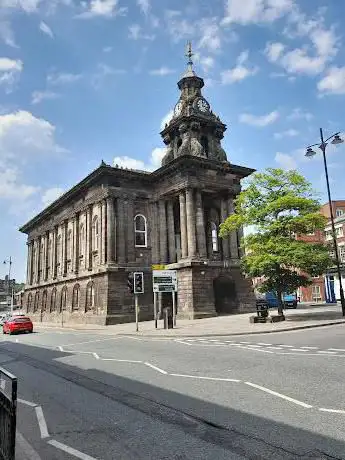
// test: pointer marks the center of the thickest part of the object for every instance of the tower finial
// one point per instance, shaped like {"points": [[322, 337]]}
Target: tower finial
{"points": [[189, 54]]}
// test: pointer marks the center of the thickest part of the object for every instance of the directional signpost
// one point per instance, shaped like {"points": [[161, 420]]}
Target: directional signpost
{"points": [[164, 281]]}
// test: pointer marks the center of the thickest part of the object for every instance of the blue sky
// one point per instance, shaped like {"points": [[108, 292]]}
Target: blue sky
{"points": [[82, 81]]}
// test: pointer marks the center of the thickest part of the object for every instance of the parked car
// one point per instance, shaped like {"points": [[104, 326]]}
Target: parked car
{"points": [[17, 324]]}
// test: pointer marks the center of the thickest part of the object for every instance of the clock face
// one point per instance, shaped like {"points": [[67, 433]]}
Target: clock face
{"points": [[178, 109], [203, 105]]}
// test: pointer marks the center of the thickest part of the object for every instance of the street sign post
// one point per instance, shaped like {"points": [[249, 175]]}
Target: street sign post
{"points": [[164, 281]]}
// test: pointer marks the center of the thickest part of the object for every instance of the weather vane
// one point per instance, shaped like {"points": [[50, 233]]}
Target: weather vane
{"points": [[189, 54]]}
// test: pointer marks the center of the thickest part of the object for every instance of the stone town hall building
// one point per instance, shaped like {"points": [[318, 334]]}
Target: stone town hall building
{"points": [[82, 247]]}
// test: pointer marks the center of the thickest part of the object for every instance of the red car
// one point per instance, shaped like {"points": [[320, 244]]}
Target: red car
{"points": [[17, 324]]}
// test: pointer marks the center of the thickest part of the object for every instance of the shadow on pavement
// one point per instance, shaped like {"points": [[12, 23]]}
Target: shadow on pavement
{"points": [[240, 434]]}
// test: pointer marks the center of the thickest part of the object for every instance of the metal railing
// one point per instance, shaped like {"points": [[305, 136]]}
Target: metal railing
{"points": [[8, 414]]}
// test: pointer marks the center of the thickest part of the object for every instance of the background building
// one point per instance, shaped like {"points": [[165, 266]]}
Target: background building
{"points": [[83, 246]]}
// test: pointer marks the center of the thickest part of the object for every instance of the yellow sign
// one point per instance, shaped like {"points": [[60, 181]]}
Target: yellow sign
{"points": [[158, 267]]}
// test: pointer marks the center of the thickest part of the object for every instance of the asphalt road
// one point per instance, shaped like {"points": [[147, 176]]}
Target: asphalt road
{"points": [[92, 396]]}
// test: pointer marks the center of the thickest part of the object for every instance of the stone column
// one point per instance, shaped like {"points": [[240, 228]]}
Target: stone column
{"points": [[46, 257], [110, 229], [233, 234], [130, 230], [155, 234], [54, 250], [225, 241], [76, 248], [89, 238], [28, 267], [200, 226], [31, 268], [163, 235], [121, 240], [171, 233], [183, 225], [65, 239], [190, 211], [38, 261], [103, 231]]}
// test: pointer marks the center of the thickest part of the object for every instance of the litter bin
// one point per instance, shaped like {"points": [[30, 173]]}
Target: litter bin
{"points": [[168, 318], [262, 309]]}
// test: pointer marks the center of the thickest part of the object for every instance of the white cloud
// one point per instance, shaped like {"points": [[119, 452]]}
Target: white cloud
{"points": [[259, 120], [39, 96], [274, 50], [255, 11], [333, 82], [136, 33], [288, 133], [300, 114], [103, 72], [167, 118], [162, 71], [6, 33], [50, 195], [144, 6], [211, 38], [46, 29], [63, 78], [10, 70], [285, 161], [240, 72], [132, 163], [179, 28], [10, 185], [102, 8]]}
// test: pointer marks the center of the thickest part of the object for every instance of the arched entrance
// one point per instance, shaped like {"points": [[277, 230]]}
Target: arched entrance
{"points": [[225, 295]]}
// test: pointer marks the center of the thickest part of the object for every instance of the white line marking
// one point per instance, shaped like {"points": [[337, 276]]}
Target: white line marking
{"points": [[27, 450], [95, 355], [327, 352], [274, 348], [286, 346], [311, 354], [261, 343], [310, 348], [89, 341], [298, 349], [245, 342], [60, 348], [336, 349], [122, 360], [334, 411], [183, 342], [257, 349], [254, 346], [155, 368], [17, 340], [205, 378], [42, 422], [70, 450], [27, 403], [229, 341], [279, 395]]}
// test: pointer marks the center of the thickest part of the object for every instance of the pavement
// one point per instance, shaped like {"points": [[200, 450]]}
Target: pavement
{"points": [[108, 397], [303, 317]]}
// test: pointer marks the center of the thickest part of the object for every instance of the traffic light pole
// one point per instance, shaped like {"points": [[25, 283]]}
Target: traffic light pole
{"points": [[136, 312], [155, 309], [174, 307]]}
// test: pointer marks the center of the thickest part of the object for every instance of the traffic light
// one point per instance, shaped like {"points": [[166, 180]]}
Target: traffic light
{"points": [[138, 283], [130, 283]]}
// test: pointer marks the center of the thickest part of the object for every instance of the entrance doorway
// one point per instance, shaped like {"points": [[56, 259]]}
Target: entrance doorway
{"points": [[225, 295]]}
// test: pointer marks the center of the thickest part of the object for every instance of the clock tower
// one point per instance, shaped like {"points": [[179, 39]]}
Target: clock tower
{"points": [[194, 128]]}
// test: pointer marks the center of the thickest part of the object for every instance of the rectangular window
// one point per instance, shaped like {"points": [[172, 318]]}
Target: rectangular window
{"points": [[316, 293], [328, 234], [339, 232], [339, 212], [342, 253]]}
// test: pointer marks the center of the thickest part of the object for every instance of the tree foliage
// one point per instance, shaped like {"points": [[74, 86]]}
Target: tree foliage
{"points": [[279, 205]]}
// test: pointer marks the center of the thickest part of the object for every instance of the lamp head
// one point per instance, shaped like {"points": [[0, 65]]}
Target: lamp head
{"points": [[310, 152], [337, 140]]}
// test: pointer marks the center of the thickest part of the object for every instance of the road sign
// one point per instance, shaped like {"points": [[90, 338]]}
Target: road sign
{"points": [[158, 267], [164, 280]]}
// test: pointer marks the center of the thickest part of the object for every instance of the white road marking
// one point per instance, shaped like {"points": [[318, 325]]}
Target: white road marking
{"points": [[323, 352], [298, 349], [183, 342], [261, 343], [244, 342], [95, 355], [70, 450], [334, 411], [229, 341], [336, 349], [201, 377], [158, 369], [42, 422], [60, 348], [122, 360], [286, 346], [257, 349], [28, 452], [279, 395], [310, 348], [310, 354], [274, 348], [89, 341], [27, 403], [17, 340], [254, 345]]}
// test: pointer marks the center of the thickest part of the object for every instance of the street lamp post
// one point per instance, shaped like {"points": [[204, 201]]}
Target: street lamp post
{"points": [[10, 291], [310, 153]]}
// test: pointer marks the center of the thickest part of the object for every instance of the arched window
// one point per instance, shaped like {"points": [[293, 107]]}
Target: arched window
{"points": [[140, 230], [29, 303], [44, 300], [214, 237], [75, 297], [90, 297], [36, 301], [53, 300], [204, 143], [63, 303], [95, 234], [59, 254]]}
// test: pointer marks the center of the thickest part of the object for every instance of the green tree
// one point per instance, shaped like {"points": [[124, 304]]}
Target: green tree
{"points": [[280, 205]]}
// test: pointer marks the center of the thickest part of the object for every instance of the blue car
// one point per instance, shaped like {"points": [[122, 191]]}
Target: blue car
{"points": [[289, 300]]}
